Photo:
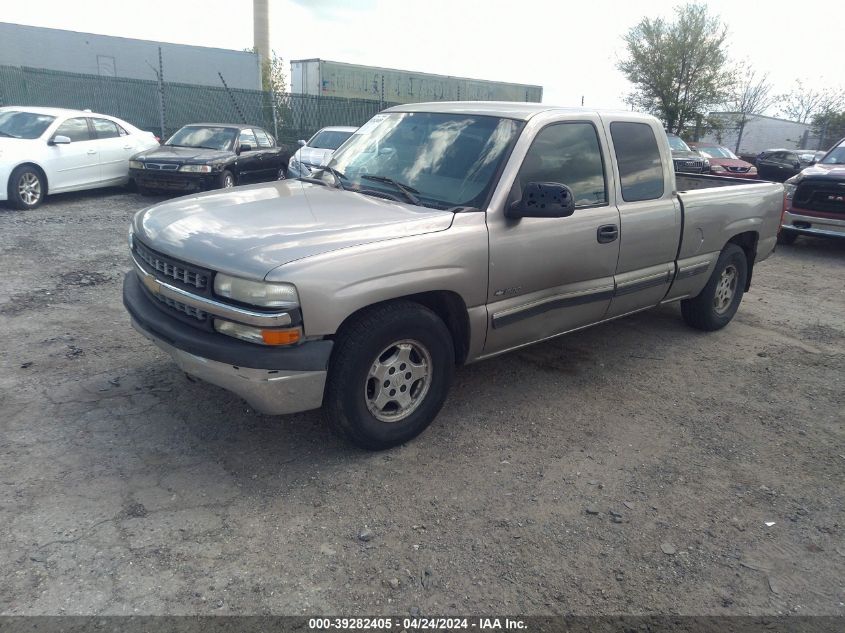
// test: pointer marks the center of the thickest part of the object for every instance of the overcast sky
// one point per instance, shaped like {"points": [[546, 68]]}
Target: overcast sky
{"points": [[570, 48]]}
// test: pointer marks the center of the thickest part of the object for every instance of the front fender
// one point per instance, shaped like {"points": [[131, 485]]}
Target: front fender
{"points": [[336, 284]]}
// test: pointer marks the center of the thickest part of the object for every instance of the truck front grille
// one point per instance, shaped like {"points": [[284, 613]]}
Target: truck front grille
{"points": [[689, 166], [173, 268], [823, 197], [199, 315]]}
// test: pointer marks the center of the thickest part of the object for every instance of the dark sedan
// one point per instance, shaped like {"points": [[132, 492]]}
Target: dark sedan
{"points": [[205, 156], [779, 164]]}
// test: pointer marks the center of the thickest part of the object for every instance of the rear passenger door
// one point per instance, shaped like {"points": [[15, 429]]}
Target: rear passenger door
{"points": [[650, 217], [269, 161], [249, 157], [75, 165], [551, 275], [114, 149]]}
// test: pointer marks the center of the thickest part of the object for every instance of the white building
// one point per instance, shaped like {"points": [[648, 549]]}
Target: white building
{"points": [[107, 56], [760, 133]]}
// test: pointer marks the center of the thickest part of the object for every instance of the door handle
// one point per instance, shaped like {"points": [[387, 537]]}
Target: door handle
{"points": [[92, 151], [607, 233], [127, 147]]}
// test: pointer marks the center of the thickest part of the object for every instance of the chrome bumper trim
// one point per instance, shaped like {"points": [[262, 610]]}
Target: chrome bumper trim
{"points": [[274, 392], [215, 308]]}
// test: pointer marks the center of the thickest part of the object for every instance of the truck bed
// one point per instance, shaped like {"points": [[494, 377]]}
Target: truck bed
{"points": [[718, 207]]}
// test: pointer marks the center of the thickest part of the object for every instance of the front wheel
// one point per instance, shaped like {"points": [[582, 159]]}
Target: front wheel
{"points": [[283, 174], [716, 305], [26, 188], [227, 180], [389, 375]]}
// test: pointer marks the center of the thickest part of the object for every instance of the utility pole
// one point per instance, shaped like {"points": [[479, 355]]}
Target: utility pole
{"points": [[261, 37]]}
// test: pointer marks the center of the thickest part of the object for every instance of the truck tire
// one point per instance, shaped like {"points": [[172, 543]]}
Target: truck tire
{"points": [[787, 237], [389, 375], [715, 306], [26, 188]]}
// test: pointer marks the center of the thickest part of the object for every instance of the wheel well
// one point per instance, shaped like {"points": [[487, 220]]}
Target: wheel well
{"points": [[748, 243], [38, 169], [448, 305]]}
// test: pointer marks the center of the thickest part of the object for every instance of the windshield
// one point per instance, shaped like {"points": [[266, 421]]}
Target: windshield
{"points": [[835, 157], [208, 137], [328, 139], [676, 143], [716, 152], [16, 124], [447, 160]]}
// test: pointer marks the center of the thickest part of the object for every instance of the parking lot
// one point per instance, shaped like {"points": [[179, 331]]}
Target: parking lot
{"points": [[636, 467]]}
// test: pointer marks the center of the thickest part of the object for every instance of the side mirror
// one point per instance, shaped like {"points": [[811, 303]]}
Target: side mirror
{"points": [[60, 140], [543, 200], [812, 162], [797, 164], [244, 147], [302, 143]]}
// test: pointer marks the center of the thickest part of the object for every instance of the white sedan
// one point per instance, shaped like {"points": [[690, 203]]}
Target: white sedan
{"points": [[52, 150], [317, 151]]}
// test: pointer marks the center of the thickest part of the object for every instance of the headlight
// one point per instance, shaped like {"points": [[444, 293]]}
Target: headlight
{"points": [[706, 163], [257, 293], [136, 164], [789, 190], [752, 170], [269, 336], [196, 169], [717, 169], [131, 238]]}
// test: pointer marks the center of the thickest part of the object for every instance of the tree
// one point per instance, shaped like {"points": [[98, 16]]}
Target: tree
{"points": [[679, 69], [829, 127], [750, 94], [272, 73], [802, 104]]}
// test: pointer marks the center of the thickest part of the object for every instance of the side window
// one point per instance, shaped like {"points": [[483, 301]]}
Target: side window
{"points": [[569, 154], [105, 128], [247, 138], [638, 158], [75, 129], [263, 139]]}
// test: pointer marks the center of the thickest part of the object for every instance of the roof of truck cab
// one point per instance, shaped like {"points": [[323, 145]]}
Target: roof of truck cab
{"points": [[508, 109]]}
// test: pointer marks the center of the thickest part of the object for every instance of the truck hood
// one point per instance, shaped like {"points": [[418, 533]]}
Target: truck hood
{"points": [[821, 172], [249, 231]]}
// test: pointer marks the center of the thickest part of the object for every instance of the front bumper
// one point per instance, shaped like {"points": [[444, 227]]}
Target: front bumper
{"points": [[275, 380], [797, 221], [160, 180]]}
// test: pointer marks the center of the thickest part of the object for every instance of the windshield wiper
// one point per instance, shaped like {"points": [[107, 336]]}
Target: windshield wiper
{"points": [[6, 134], [407, 190]]}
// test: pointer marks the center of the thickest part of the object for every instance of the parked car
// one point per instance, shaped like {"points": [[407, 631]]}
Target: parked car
{"points": [[204, 156], [439, 234], [778, 164], [53, 150], [815, 199], [723, 162], [684, 159], [317, 151]]}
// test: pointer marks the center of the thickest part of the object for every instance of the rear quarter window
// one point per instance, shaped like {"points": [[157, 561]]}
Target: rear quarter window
{"points": [[638, 160]]}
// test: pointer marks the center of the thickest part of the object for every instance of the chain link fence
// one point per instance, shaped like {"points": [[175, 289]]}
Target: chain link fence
{"points": [[146, 104]]}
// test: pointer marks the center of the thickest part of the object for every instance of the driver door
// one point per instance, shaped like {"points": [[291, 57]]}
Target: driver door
{"points": [[551, 275]]}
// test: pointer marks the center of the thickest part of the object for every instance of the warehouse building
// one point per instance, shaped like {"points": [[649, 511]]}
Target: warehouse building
{"points": [[337, 79], [107, 56], [760, 133]]}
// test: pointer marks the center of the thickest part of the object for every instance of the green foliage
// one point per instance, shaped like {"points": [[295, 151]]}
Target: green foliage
{"points": [[829, 126], [679, 69]]}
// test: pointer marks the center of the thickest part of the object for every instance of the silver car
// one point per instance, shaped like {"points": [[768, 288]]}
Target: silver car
{"points": [[317, 151]]}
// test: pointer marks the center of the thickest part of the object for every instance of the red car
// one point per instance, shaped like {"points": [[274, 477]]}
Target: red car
{"points": [[723, 162]]}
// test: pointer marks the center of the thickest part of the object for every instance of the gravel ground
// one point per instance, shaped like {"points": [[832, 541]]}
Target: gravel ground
{"points": [[636, 467]]}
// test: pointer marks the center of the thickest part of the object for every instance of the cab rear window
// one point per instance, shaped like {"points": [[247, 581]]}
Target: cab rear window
{"points": [[638, 158]]}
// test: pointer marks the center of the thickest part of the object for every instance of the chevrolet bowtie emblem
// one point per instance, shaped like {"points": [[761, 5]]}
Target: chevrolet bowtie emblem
{"points": [[151, 283]]}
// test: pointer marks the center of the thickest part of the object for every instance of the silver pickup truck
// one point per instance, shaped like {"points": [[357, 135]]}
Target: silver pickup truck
{"points": [[439, 234]]}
